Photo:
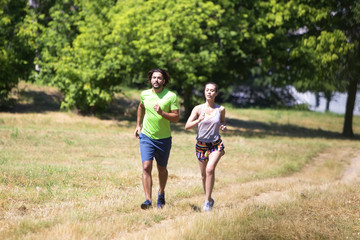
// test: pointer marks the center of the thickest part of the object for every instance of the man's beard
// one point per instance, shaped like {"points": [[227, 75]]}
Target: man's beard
{"points": [[158, 86]]}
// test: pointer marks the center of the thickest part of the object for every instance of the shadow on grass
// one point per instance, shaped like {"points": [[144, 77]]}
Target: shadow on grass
{"points": [[120, 109], [41, 101], [125, 109], [248, 129], [260, 129], [34, 102], [195, 208]]}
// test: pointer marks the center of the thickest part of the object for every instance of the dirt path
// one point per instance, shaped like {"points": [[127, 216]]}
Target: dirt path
{"points": [[313, 175], [274, 190], [352, 173], [308, 178]]}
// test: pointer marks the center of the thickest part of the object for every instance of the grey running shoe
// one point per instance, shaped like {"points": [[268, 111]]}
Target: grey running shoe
{"points": [[212, 201], [208, 205]]}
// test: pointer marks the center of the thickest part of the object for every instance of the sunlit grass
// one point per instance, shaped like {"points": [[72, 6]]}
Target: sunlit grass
{"points": [[321, 215], [79, 177]]}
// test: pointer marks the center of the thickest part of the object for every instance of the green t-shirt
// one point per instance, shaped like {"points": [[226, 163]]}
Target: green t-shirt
{"points": [[154, 125]]}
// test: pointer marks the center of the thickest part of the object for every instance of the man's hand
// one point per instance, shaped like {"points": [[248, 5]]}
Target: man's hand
{"points": [[137, 132], [157, 108]]}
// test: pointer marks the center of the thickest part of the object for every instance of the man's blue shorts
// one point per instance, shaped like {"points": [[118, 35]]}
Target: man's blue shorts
{"points": [[158, 148]]}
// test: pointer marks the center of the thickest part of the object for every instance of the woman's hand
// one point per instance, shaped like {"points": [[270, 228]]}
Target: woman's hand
{"points": [[223, 128]]}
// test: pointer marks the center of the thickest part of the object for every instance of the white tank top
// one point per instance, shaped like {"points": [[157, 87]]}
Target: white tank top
{"points": [[208, 129]]}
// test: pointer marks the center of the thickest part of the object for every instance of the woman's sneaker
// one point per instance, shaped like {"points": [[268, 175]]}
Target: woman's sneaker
{"points": [[208, 205], [146, 204], [212, 201]]}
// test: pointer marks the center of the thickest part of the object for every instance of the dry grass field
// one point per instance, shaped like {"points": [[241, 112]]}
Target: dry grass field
{"points": [[285, 175]]}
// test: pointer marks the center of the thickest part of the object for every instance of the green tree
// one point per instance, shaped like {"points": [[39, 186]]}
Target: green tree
{"points": [[330, 50], [17, 46], [325, 55], [89, 48], [180, 36], [72, 54], [55, 36], [310, 44], [347, 19]]}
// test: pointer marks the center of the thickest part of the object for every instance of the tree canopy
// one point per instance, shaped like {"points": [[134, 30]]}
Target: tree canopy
{"points": [[91, 49], [17, 44]]}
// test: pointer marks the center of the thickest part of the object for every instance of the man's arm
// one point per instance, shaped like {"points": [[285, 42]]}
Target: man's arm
{"points": [[172, 116], [139, 119]]}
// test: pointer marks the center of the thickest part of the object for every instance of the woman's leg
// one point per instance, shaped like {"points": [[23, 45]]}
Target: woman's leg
{"points": [[202, 165], [209, 170]]}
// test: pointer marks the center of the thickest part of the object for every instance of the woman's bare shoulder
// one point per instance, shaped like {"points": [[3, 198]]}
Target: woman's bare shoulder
{"points": [[221, 108], [198, 107]]}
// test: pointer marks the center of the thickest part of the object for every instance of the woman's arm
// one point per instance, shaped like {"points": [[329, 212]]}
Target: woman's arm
{"points": [[194, 118], [222, 119]]}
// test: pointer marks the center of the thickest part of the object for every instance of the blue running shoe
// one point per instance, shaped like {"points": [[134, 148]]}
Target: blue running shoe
{"points": [[161, 200], [146, 204]]}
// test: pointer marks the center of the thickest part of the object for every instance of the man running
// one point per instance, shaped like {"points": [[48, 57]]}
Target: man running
{"points": [[158, 107]]}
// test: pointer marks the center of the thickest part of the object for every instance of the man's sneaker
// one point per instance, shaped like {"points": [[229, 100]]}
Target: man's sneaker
{"points": [[208, 205], [161, 200], [146, 204]]}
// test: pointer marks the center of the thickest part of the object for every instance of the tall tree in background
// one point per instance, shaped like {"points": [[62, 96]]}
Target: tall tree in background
{"points": [[56, 34], [17, 44], [88, 49], [72, 54], [310, 44], [347, 19], [329, 50], [180, 36]]}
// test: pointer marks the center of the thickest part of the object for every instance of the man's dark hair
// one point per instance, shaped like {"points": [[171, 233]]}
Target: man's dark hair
{"points": [[164, 73]]}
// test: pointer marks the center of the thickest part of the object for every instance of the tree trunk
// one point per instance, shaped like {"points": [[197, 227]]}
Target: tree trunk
{"points": [[350, 104], [327, 108], [188, 103], [317, 99], [328, 97]]}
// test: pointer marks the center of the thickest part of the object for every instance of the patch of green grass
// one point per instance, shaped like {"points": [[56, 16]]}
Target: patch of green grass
{"points": [[86, 172], [188, 192], [4, 161], [31, 226], [14, 133], [158, 218]]}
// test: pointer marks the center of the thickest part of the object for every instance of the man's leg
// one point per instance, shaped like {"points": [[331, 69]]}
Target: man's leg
{"points": [[147, 178], [162, 156], [163, 176]]}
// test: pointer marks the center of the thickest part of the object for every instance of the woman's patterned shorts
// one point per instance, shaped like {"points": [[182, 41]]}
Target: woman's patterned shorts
{"points": [[203, 149]]}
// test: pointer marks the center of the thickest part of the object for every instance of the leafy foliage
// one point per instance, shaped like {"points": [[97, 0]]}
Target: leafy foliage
{"points": [[181, 37], [75, 63], [90, 49], [17, 46]]}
